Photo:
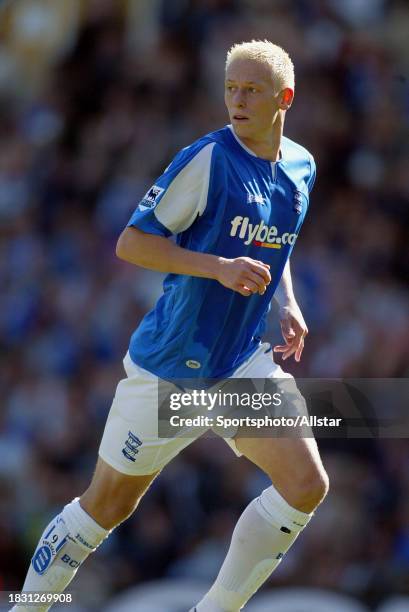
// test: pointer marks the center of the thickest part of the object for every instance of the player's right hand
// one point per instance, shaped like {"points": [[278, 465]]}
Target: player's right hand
{"points": [[244, 275]]}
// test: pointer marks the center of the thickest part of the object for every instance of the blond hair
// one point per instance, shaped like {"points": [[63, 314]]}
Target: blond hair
{"points": [[268, 53]]}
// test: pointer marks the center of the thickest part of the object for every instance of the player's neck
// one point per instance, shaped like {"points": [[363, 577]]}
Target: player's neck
{"points": [[268, 145]]}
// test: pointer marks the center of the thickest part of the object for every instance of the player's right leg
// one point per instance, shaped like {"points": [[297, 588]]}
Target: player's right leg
{"points": [[80, 528]]}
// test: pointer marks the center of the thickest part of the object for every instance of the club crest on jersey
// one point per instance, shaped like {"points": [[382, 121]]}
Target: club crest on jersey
{"points": [[297, 202], [260, 234], [255, 198], [150, 198]]}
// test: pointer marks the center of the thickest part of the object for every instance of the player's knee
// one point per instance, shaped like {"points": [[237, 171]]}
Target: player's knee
{"points": [[319, 486], [122, 507], [310, 489], [112, 497], [106, 510]]}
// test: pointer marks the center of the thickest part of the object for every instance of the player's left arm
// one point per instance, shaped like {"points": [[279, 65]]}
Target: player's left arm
{"points": [[293, 326]]}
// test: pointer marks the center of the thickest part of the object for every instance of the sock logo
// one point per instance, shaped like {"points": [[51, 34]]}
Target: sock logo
{"points": [[71, 562], [260, 235], [52, 541], [42, 559], [84, 542]]}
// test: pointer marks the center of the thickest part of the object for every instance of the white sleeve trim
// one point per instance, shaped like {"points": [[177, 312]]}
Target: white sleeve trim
{"points": [[186, 196]]}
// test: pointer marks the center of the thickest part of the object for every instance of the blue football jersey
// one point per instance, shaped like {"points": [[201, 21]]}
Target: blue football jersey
{"points": [[218, 197]]}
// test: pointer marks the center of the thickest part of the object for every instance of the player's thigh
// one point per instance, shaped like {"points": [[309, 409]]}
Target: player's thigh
{"points": [[281, 458], [292, 461]]}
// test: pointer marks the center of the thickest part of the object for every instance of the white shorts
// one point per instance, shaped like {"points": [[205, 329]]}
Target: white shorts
{"points": [[130, 443]]}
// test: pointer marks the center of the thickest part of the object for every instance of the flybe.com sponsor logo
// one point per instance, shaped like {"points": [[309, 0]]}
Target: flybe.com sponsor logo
{"points": [[260, 235]]}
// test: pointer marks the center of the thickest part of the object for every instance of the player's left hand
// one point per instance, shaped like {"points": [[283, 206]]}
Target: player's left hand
{"points": [[294, 330]]}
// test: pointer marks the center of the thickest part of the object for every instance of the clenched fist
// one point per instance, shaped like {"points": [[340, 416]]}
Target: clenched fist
{"points": [[244, 275]]}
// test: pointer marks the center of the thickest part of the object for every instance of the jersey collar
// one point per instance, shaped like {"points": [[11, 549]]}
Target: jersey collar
{"points": [[249, 150]]}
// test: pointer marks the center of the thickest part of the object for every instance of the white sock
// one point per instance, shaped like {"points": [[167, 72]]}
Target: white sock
{"points": [[65, 544], [264, 532]]}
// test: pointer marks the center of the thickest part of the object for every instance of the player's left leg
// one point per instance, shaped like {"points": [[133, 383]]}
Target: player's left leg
{"points": [[128, 463], [271, 523]]}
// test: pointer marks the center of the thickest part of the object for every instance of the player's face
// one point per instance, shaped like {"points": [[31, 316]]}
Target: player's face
{"points": [[251, 99]]}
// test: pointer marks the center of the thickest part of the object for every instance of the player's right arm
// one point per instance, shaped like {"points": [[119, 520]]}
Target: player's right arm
{"points": [[242, 274], [189, 185]]}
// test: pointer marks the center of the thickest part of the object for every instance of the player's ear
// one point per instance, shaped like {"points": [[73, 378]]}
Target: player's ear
{"points": [[285, 98]]}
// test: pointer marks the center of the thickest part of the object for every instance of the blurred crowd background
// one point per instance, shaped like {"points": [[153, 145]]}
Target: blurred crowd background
{"points": [[96, 97]]}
